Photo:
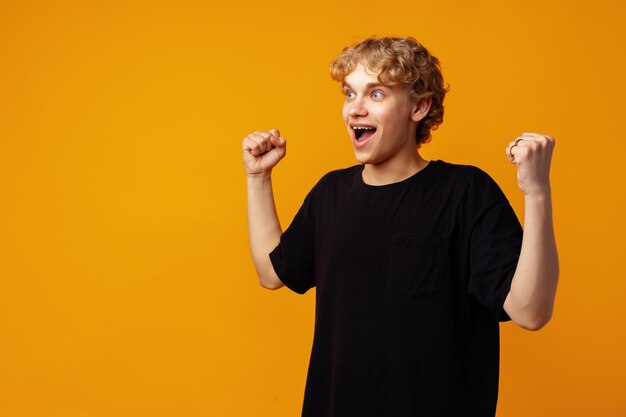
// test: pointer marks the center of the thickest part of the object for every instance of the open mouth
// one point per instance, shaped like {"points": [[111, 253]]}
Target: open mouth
{"points": [[362, 133]]}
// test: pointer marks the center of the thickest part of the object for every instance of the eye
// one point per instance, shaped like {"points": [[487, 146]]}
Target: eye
{"points": [[377, 94], [347, 94]]}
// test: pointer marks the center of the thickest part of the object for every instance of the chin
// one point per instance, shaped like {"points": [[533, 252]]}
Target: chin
{"points": [[363, 159]]}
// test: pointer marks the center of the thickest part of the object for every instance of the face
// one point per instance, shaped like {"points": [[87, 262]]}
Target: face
{"points": [[381, 119]]}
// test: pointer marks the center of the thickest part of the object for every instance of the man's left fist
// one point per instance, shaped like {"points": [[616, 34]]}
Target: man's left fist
{"points": [[532, 153]]}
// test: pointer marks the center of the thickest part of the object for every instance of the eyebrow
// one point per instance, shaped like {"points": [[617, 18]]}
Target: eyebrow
{"points": [[368, 85]]}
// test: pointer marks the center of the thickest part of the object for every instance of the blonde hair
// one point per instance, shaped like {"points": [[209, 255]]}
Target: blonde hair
{"points": [[399, 61]]}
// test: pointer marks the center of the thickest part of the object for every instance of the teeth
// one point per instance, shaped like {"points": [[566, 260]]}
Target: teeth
{"points": [[362, 130]]}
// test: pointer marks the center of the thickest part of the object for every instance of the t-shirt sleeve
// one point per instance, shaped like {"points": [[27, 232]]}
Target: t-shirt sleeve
{"points": [[495, 244], [294, 257]]}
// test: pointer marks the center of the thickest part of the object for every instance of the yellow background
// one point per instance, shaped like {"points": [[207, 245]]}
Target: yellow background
{"points": [[126, 284]]}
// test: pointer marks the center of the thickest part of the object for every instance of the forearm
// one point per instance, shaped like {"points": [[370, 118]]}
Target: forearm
{"points": [[263, 227], [531, 299]]}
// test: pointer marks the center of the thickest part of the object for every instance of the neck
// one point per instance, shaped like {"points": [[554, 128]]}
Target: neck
{"points": [[388, 173]]}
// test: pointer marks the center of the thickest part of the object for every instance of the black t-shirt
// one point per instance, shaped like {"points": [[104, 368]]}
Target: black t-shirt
{"points": [[410, 281]]}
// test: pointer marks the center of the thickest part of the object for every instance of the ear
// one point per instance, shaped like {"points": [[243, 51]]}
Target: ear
{"points": [[420, 109]]}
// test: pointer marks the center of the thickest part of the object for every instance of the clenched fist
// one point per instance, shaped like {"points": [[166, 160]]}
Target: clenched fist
{"points": [[532, 153], [262, 151]]}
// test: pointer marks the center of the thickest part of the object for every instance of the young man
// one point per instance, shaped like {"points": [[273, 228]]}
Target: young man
{"points": [[414, 262]]}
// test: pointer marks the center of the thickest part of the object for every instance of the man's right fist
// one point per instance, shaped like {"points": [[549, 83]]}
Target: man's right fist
{"points": [[262, 151]]}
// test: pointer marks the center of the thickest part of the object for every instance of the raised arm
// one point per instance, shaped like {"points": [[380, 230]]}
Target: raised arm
{"points": [[261, 152], [530, 301]]}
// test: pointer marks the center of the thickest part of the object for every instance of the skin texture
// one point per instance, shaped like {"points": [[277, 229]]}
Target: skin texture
{"points": [[261, 152], [391, 156], [530, 301]]}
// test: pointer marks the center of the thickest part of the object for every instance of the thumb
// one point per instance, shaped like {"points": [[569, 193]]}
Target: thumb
{"points": [[274, 133], [277, 141], [280, 145], [280, 142]]}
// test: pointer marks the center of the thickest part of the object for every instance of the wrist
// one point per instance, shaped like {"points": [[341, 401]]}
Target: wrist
{"points": [[539, 196], [264, 176]]}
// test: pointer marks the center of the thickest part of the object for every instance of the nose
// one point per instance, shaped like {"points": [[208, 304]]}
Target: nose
{"points": [[357, 107]]}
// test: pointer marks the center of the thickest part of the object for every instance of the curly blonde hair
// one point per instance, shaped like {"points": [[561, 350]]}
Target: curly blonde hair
{"points": [[399, 61]]}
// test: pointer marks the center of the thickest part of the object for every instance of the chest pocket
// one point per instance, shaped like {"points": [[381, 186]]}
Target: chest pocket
{"points": [[416, 265]]}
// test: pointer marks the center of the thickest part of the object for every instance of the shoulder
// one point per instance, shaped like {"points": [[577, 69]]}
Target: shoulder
{"points": [[338, 175], [337, 178], [471, 184], [451, 169], [330, 184], [468, 175]]}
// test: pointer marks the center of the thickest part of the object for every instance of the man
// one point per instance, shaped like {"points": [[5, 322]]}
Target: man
{"points": [[414, 262]]}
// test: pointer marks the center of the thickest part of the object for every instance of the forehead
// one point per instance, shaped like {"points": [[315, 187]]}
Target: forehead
{"points": [[360, 72], [362, 76]]}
